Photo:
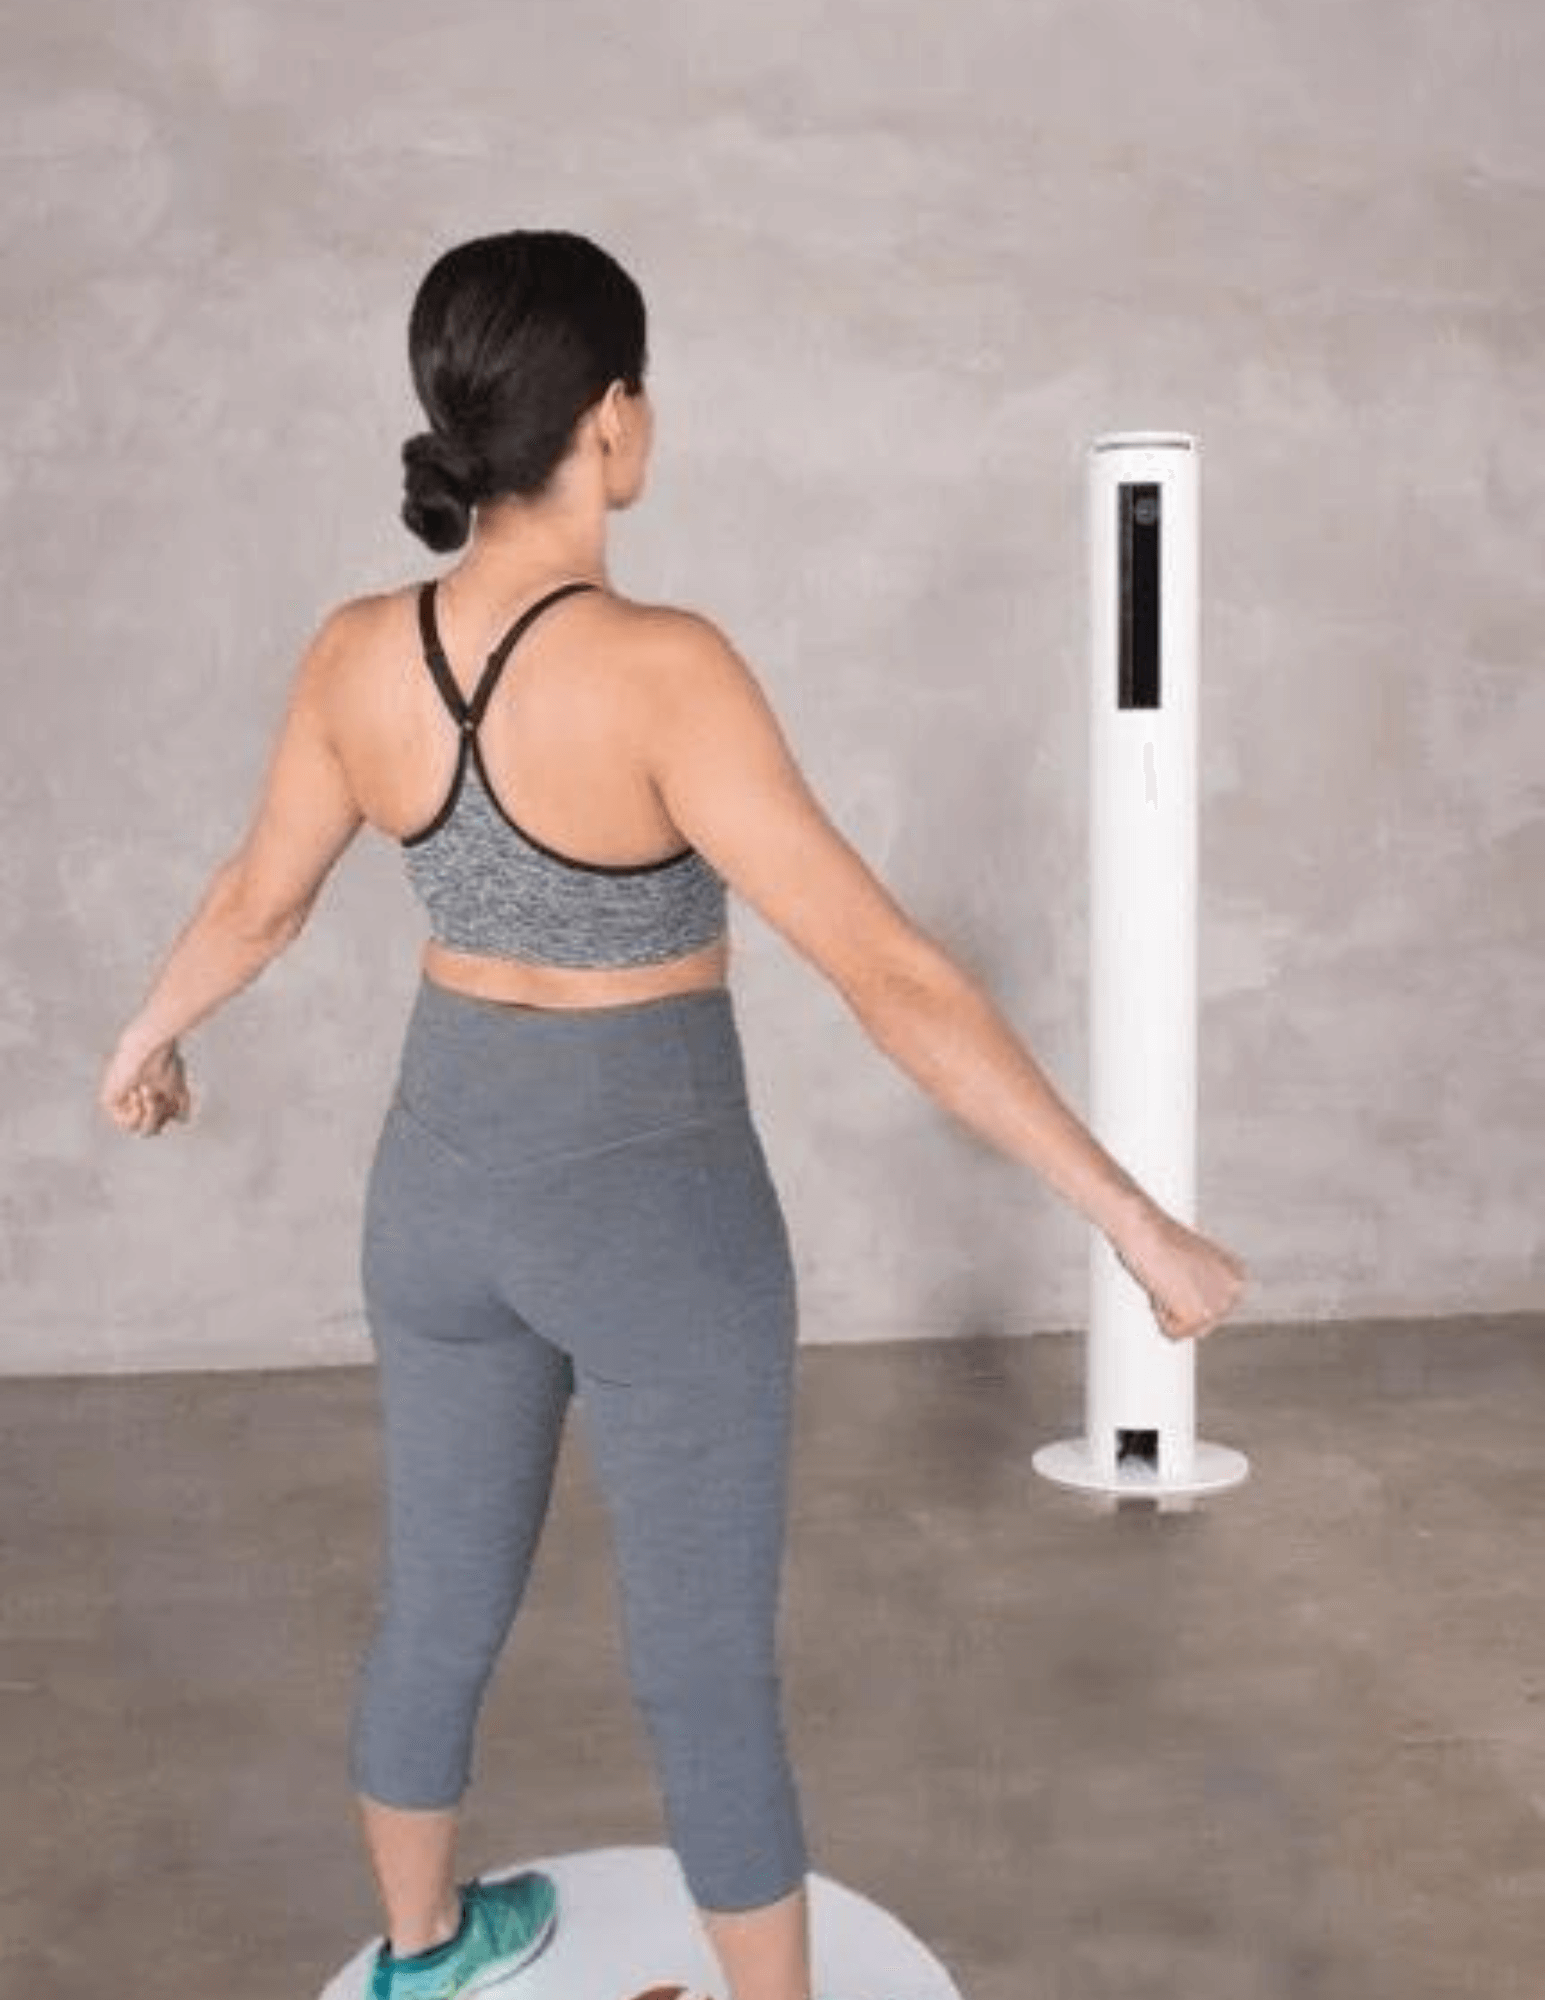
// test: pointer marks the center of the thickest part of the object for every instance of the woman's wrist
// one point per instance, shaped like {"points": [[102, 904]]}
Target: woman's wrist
{"points": [[1133, 1215], [140, 1044]]}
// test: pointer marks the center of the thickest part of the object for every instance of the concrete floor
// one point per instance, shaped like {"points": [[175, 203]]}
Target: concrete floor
{"points": [[1291, 1743]]}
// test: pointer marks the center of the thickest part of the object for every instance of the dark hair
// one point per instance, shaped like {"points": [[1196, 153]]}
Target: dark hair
{"points": [[511, 339]]}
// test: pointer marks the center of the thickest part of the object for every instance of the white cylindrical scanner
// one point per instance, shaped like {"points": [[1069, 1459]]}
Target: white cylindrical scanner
{"points": [[1140, 1390]]}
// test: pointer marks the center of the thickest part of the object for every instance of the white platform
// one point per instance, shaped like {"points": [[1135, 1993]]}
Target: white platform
{"points": [[1215, 1468], [626, 1922]]}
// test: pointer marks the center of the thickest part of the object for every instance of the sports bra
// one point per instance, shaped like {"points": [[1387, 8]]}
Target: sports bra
{"points": [[492, 888]]}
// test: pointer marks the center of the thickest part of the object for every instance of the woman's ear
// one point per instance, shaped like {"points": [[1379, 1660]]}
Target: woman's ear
{"points": [[611, 423]]}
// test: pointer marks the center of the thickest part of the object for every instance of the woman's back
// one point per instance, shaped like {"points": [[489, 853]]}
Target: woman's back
{"points": [[563, 740], [532, 828]]}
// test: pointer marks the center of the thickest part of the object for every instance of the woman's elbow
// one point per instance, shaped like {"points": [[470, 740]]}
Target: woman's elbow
{"points": [[889, 986], [258, 922]]}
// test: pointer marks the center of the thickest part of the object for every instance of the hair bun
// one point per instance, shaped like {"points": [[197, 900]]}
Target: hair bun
{"points": [[443, 480]]}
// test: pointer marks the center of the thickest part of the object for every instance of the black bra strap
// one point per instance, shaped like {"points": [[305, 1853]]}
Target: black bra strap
{"points": [[434, 653], [470, 714]]}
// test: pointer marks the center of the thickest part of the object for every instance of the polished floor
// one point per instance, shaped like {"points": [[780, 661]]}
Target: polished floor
{"points": [[1288, 1743]]}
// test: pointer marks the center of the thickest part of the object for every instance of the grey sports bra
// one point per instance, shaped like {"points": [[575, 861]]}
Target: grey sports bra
{"points": [[491, 888]]}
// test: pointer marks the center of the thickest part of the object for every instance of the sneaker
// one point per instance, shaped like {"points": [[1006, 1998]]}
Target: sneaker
{"points": [[504, 1925]]}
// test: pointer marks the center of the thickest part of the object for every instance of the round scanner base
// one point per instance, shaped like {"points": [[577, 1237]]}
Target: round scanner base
{"points": [[1215, 1468], [626, 1922]]}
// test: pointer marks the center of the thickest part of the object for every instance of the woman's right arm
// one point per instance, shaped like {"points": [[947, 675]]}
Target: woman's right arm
{"points": [[731, 786]]}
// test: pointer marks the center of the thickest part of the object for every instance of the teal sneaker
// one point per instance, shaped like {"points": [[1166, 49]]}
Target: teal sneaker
{"points": [[504, 1925]]}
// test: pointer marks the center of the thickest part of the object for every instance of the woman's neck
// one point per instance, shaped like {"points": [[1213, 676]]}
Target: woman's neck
{"points": [[519, 546]]}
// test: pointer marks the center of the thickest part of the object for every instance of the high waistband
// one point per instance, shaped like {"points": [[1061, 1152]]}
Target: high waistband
{"points": [[507, 1085]]}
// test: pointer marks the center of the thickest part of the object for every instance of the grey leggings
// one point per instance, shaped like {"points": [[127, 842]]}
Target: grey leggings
{"points": [[577, 1202]]}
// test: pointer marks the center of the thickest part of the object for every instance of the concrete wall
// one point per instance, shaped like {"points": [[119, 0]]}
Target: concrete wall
{"points": [[904, 262]]}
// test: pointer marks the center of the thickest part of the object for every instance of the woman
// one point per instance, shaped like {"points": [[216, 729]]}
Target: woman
{"points": [[569, 1193]]}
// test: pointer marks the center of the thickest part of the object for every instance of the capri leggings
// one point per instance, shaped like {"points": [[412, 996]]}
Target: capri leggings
{"points": [[572, 1203]]}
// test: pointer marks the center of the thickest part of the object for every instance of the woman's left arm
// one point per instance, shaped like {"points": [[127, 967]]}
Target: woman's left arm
{"points": [[257, 901]]}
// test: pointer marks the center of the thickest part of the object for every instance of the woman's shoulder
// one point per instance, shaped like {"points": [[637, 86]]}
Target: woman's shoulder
{"points": [[340, 675], [674, 642], [350, 638], [361, 621]]}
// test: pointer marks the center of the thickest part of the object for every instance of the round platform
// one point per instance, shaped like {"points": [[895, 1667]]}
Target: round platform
{"points": [[626, 1922], [1216, 1468]]}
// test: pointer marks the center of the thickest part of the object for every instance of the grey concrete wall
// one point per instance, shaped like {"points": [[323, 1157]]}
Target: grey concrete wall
{"points": [[904, 262]]}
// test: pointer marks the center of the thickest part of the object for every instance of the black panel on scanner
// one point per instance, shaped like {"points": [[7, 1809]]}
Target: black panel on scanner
{"points": [[1141, 524]]}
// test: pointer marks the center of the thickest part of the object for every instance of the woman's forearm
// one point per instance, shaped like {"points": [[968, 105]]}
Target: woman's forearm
{"points": [[937, 1024], [219, 953]]}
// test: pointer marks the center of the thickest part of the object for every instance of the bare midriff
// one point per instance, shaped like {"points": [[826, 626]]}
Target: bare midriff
{"points": [[518, 983]]}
